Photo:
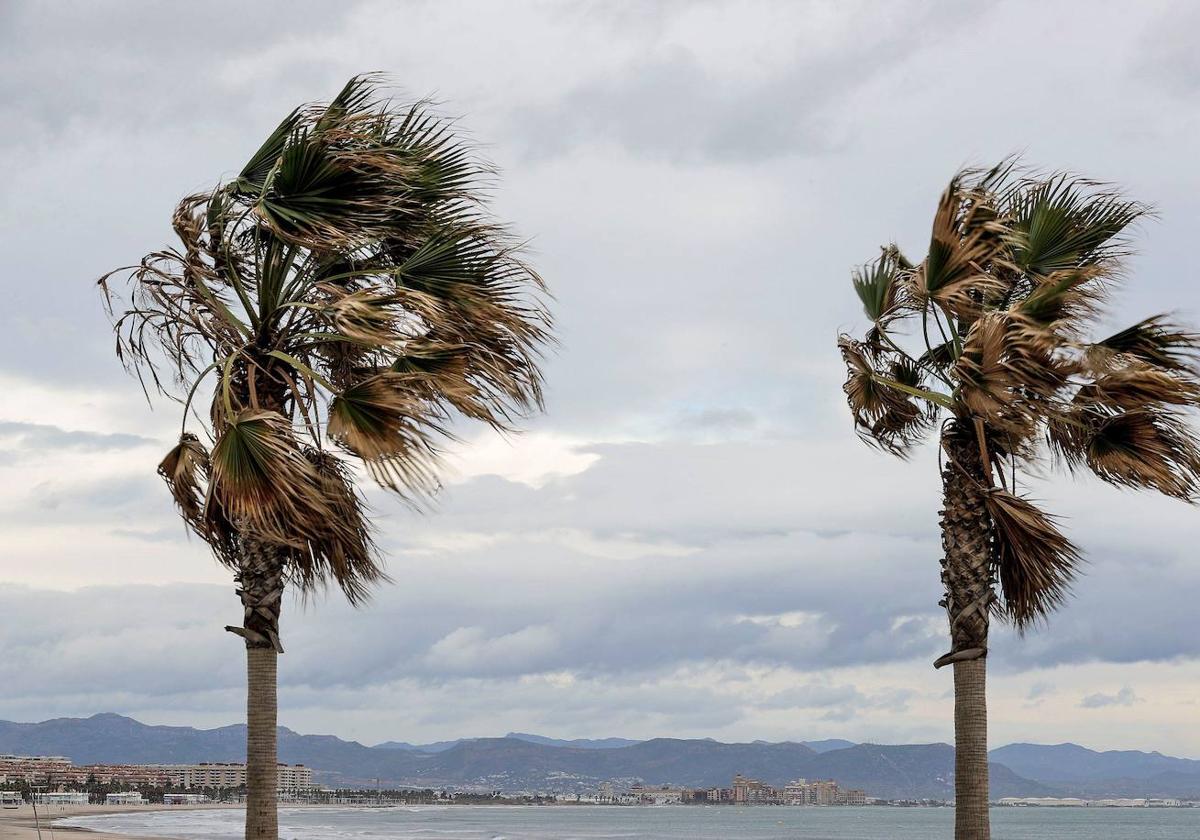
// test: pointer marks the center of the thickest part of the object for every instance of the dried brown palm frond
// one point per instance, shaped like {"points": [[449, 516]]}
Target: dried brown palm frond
{"points": [[186, 469], [1035, 563], [885, 413], [1007, 370], [263, 481], [344, 543], [963, 271], [381, 421], [1145, 448], [1154, 341]]}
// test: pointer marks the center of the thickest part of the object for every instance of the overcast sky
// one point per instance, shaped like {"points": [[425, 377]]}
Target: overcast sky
{"points": [[691, 542]]}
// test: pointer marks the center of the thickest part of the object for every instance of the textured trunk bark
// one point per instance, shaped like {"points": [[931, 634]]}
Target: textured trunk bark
{"points": [[971, 818], [260, 587], [262, 788], [970, 592]]}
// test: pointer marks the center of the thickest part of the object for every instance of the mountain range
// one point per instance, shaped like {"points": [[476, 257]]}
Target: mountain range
{"points": [[524, 762]]}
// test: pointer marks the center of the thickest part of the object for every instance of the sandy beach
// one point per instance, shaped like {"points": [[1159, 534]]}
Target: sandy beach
{"points": [[19, 824]]}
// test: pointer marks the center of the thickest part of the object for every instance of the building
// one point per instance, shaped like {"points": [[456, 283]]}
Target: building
{"points": [[129, 798], [291, 777], [656, 795], [754, 792], [59, 770], [61, 798], [804, 792], [185, 798], [34, 769]]}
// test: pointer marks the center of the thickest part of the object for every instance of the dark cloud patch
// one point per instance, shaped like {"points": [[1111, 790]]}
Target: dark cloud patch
{"points": [[669, 103], [1099, 700], [44, 436]]}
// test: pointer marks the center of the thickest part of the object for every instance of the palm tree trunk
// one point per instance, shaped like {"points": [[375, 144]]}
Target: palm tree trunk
{"points": [[970, 592], [260, 588], [262, 788]]}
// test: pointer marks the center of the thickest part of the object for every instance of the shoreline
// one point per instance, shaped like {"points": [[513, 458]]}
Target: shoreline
{"points": [[19, 824]]}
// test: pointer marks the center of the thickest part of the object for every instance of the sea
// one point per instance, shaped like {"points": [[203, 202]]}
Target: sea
{"points": [[557, 822]]}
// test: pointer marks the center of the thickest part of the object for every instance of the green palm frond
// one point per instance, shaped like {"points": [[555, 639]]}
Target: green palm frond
{"points": [[1064, 222], [877, 285]]}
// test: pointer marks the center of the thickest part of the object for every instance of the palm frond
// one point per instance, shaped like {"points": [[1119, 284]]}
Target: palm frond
{"points": [[186, 469], [1145, 448], [1035, 562], [966, 246], [1006, 371], [877, 285], [381, 421], [885, 415], [1155, 341], [340, 550], [1064, 222], [263, 481]]}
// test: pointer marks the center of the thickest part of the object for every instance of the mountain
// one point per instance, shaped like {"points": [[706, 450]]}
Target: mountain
{"points": [[581, 743], [436, 746], [1085, 772], [829, 744], [530, 762]]}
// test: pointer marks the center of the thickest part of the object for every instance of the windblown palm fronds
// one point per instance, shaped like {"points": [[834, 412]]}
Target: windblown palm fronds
{"points": [[346, 296], [991, 331]]}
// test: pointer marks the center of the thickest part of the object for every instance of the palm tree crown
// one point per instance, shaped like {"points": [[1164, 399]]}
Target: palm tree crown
{"points": [[344, 297], [999, 312]]}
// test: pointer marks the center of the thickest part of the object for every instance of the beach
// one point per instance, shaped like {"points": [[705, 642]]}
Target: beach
{"points": [[19, 824]]}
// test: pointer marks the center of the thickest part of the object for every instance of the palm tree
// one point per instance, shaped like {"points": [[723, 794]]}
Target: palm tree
{"points": [[344, 299], [1018, 268]]}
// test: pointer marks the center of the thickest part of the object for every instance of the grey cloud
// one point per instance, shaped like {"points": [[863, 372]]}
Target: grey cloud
{"points": [[670, 104], [1124, 697], [1168, 56], [38, 436]]}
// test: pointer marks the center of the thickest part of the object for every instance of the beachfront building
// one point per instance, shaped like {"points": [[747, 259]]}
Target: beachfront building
{"points": [[124, 775], [127, 798], [292, 777], [754, 792], [185, 798], [656, 795], [69, 797], [804, 792]]}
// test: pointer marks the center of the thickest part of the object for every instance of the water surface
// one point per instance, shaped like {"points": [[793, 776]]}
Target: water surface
{"points": [[482, 822]]}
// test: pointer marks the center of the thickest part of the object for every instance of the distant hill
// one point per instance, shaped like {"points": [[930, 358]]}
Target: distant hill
{"points": [[829, 744], [530, 762], [581, 743], [436, 746], [1081, 771]]}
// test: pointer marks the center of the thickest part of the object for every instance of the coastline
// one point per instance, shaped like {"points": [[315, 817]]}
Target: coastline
{"points": [[18, 824]]}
